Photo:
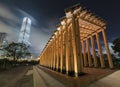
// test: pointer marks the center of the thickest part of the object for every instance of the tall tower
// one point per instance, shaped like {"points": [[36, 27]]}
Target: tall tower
{"points": [[2, 38], [25, 31]]}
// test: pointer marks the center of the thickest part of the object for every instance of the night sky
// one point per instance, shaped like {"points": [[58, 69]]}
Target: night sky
{"points": [[45, 15]]}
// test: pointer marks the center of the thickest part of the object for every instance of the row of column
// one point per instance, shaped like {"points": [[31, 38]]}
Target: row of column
{"points": [[86, 50], [63, 52]]}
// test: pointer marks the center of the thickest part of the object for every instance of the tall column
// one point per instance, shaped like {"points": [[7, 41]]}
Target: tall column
{"points": [[100, 51], [71, 52], [54, 52], [84, 54], [61, 51], [78, 66], [68, 60], [49, 50], [93, 52], [48, 57], [107, 49], [45, 56], [64, 52], [57, 45], [51, 59], [46, 63], [89, 54]]}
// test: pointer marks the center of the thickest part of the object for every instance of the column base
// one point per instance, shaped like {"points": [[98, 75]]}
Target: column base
{"points": [[85, 66], [50, 67], [63, 71], [59, 70], [70, 73], [112, 68], [103, 67], [79, 74], [54, 69], [90, 66], [95, 66], [47, 67]]}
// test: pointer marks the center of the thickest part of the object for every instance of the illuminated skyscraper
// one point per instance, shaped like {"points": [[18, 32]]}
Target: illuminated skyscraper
{"points": [[3, 38], [25, 31], [3, 43]]}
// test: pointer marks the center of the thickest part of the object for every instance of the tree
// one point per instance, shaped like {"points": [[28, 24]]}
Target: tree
{"points": [[17, 50], [116, 46]]}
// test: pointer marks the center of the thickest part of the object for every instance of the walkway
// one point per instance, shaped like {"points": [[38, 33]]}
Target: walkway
{"points": [[112, 80], [42, 79], [45, 77]]}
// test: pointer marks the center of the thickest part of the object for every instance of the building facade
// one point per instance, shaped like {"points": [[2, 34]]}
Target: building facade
{"points": [[25, 31], [2, 38], [3, 42]]}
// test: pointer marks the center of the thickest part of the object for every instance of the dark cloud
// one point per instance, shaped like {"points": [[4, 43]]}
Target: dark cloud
{"points": [[9, 22], [45, 16]]}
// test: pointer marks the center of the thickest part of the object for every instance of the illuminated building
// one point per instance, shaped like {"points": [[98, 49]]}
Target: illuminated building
{"points": [[25, 31]]}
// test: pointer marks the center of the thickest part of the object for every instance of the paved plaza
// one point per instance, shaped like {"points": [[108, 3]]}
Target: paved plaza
{"points": [[93, 77]]}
